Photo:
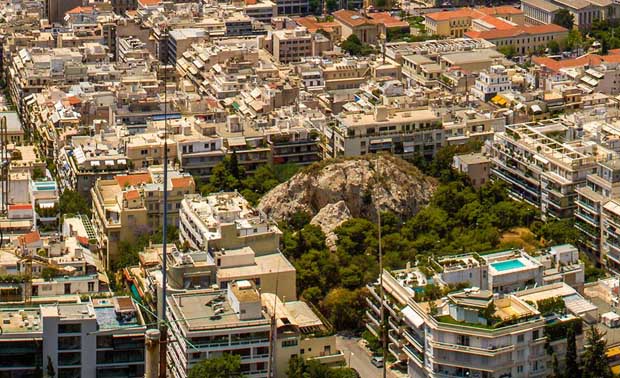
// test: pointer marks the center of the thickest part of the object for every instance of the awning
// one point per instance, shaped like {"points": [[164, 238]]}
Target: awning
{"points": [[95, 163], [109, 162], [536, 109], [412, 316]]}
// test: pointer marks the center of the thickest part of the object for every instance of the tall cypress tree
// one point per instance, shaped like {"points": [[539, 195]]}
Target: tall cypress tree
{"points": [[595, 363], [572, 365]]}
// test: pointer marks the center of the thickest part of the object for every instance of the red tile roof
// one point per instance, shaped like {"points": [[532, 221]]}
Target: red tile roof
{"points": [[351, 18], [504, 9], [388, 20], [29, 238], [498, 23], [181, 182], [148, 3], [311, 23], [517, 31], [78, 10], [556, 65], [133, 180], [131, 195], [447, 15], [73, 100]]}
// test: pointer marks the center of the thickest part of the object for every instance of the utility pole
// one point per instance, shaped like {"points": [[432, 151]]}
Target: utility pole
{"points": [[152, 360], [383, 327], [163, 327]]}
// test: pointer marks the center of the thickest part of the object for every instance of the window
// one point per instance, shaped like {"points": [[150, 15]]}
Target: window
{"points": [[520, 338], [70, 328], [520, 369], [289, 343]]}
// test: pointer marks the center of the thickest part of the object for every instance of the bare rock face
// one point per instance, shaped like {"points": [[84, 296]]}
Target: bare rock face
{"points": [[330, 217], [363, 184]]}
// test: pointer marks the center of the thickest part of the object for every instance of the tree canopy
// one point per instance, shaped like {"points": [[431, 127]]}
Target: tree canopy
{"points": [[225, 366], [564, 18], [300, 368], [71, 202]]}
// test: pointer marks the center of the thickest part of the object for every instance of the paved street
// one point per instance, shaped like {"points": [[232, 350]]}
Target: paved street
{"points": [[360, 359]]}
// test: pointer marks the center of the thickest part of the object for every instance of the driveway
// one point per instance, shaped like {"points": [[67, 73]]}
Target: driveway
{"points": [[359, 358]]}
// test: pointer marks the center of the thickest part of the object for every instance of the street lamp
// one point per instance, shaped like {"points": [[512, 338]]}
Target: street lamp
{"points": [[350, 354]]}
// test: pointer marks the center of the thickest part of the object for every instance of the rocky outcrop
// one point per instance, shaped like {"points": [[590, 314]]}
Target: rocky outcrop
{"points": [[330, 217], [362, 185]]}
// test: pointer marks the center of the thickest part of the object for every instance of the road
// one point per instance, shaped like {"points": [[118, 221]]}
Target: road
{"points": [[360, 358]]}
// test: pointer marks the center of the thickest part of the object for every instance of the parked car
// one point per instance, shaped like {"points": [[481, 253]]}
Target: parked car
{"points": [[377, 361]]}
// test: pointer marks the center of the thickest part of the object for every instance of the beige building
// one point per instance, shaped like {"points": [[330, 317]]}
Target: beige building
{"points": [[290, 45], [524, 39], [366, 29], [475, 165], [131, 205], [405, 133], [456, 23]]}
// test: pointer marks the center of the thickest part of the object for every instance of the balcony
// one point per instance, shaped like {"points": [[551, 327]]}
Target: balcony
{"points": [[414, 355], [490, 352], [415, 340]]}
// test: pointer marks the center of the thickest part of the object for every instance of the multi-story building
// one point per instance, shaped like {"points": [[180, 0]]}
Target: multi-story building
{"points": [[405, 133], [541, 166], [524, 39], [600, 188], [88, 159], [356, 23], [456, 23], [491, 82], [96, 338], [179, 40], [475, 165], [584, 12], [473, 331], [226, 221], [205, 324], [131, 205], [292, 7], [291, 45]]}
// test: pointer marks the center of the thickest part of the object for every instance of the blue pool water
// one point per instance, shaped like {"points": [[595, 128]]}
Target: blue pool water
{"points": [[507, 265]]}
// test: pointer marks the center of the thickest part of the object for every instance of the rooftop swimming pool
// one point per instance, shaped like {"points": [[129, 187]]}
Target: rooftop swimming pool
{"points": [[507, 265]]}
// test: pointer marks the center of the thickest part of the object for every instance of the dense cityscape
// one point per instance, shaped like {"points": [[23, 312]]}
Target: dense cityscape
{"points": [[309, 189]]}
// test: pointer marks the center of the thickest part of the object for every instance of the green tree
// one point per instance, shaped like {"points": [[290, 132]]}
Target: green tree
{"points": [[564, 18], [575, 39], [554, 47], [344, 308], [572, 364], [352, 45], [595, 364], [225, 366], [509, 51], [71, 202]]}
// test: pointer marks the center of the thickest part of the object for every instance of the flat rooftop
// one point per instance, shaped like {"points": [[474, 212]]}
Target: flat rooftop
{"points": [[268, 264], [198, 312]]}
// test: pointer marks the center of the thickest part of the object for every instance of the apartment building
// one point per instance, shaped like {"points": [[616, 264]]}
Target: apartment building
{"points": [[291, 45], [88, 159], [600, 188], [475, 165], [491, 82], [206, 324], [180, 40], [541, 166], [300, 332], [404, 133], [130, 205], [226, 221], [473, 331], [539, 12], [99, 337], [463, 126]]}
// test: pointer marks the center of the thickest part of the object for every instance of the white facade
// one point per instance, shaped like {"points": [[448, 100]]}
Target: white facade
{"points": [[491, 82]]}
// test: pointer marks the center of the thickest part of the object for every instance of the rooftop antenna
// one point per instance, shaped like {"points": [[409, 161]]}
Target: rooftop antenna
{"points": [[162, 318]]}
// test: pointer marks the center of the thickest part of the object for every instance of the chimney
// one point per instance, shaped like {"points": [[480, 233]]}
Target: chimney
{"points": [[381, 113]]}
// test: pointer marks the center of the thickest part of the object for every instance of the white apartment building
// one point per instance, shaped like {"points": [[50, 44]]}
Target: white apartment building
{"points": [[590, 215], [491, 82], [205, 324], [540, 165], [225, 221], [98, 338], [475, 332], [405, 133]]}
